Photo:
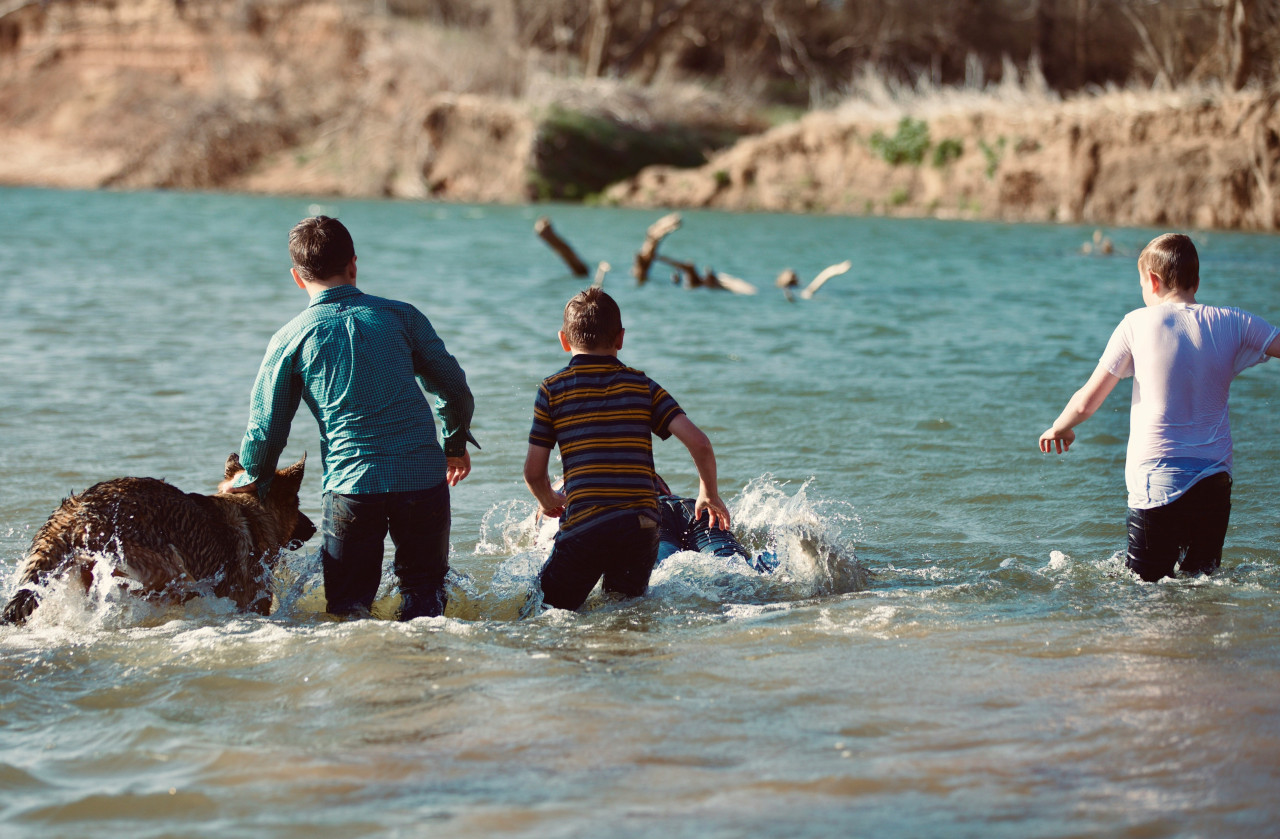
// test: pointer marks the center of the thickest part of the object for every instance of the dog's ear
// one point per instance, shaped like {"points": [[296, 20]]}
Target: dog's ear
{"points": [[294, 473], [233, 466]]}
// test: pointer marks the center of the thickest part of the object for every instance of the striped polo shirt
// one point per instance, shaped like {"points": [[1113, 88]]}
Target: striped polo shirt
{"points": [[602, 414]]}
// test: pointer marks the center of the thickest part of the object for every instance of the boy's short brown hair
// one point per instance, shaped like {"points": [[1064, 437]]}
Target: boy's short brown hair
{"points": [[320, 247], [592, 320], [1174, 258]]}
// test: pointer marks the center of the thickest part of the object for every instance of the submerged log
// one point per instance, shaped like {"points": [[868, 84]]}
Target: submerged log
{"points": [[548, 234], [692, 279], [653, 237], [728, 282]]}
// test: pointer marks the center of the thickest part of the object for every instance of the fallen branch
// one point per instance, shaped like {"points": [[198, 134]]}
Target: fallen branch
{"points": [[728, 282], [544, 230], [692, 279], [653, 237]]}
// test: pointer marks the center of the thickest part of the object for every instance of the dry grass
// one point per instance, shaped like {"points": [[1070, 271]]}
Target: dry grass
{"points": [[873, 97]]}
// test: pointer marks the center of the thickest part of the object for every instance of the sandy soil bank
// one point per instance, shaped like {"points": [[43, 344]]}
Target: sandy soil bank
{"points": [[1119, 158]]}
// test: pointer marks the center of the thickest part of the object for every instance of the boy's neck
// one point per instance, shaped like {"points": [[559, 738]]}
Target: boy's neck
{"points": [[577, 351], [1186, 298]]}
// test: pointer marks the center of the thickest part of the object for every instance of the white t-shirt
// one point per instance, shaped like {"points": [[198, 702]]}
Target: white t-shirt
{"points": [[1182, 359]]}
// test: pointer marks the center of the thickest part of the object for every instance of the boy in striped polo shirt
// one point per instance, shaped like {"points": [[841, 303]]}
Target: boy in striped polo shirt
{"points": [[602, 414]]}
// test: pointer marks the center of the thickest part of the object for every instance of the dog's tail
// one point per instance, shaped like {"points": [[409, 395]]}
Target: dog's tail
{"points": [[20, 607]]}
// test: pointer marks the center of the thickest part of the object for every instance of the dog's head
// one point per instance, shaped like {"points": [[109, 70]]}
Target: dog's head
{"points": [[282, 499]]}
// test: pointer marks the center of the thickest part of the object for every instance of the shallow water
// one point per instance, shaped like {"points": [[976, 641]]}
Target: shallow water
{"points": [[951, 646]]}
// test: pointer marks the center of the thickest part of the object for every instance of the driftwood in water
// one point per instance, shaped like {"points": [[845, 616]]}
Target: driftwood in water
{"points": [[653, 237], [728, 282], [548, 234], [692, 279]]}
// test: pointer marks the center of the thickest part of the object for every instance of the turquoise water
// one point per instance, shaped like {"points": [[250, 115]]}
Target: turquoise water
{"points": [[951, 647]]}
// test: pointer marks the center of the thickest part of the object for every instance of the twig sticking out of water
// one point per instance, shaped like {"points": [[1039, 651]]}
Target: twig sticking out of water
{"points": [[548, 234], [824, 275], [653, 237], [601, 269]]}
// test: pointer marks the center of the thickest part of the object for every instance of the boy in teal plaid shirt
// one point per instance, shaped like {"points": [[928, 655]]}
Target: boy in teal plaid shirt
{"points": [[357, 360]]}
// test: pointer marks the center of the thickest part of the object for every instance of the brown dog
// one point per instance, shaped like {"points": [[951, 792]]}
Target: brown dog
{"points": [[167, 539]]}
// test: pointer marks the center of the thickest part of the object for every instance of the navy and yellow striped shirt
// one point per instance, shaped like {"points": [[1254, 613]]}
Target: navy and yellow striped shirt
{"points": [[356, 360], [602, 414]]}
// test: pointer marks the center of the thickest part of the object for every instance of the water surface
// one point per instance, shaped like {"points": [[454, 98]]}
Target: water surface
{"points": [[996, 673]]}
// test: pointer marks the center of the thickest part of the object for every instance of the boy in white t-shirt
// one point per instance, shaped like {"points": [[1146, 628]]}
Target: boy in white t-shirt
{"points": [[1183, 356]]}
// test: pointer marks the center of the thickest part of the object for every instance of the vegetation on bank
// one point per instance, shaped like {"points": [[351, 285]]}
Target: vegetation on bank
{"points": [[505, 100]]}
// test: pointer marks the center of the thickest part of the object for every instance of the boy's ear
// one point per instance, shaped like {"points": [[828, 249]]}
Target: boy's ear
{"points": [[617, 344], [564, 341], [1154, 281]]}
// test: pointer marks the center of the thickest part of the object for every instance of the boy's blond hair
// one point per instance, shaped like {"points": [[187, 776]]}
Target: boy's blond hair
{"points": [[1174, 258]]}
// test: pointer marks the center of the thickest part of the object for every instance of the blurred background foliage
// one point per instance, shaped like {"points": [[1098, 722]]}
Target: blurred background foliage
{"points": [[810, 53]]}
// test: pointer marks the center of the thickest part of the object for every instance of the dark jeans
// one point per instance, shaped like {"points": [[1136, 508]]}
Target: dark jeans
{"points": [[1192, 528], [622, 547], [353, 530], [680, 531]]}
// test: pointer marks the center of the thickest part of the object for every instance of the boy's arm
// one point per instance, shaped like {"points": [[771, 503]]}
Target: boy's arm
{"points": [[276, 395], [1274, 349], [442, 376], [1086, 401], [704, 458], [550, 502]]}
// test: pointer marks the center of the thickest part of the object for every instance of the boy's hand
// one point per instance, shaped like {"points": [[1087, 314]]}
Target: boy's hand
{"points": [[1060, 440], [717, 512], [554, 512], [457, 468]]}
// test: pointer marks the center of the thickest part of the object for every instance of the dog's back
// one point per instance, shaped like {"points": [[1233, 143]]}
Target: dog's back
{"points": [[165, 538]]}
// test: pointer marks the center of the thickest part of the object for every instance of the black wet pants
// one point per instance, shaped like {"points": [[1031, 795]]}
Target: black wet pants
{"points": [[622, 547], [1191, 528]]}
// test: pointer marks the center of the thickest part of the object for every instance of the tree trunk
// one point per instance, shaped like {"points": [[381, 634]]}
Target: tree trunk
{"points": [[1237, 15], [598, 44]]}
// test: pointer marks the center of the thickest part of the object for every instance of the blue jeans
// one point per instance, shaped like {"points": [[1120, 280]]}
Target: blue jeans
{"points": [[622, 547], [681, 531], [1191, 528], [353, 531]]}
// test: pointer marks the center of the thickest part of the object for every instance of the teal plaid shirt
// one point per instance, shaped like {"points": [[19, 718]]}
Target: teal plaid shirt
{"points": [[356, 360]]}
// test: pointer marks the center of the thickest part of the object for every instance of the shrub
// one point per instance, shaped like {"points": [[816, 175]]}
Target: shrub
{"points": [[907, 145], [946, 152]]}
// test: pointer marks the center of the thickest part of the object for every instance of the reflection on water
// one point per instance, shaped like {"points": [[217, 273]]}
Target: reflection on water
{"points": [[950, 645]]}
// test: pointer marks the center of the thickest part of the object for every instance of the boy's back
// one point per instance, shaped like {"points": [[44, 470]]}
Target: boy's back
{"points": [[1183, 358], [602, 413]]}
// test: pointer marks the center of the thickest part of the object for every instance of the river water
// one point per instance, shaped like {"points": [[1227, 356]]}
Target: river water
{"points": [[951, 646]]}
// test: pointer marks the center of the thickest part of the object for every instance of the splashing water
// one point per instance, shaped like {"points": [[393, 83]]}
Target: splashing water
{"points": [[812, 541]]}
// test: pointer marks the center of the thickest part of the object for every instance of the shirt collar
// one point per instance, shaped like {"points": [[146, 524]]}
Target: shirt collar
{"points": [[338, 292], [587, 358]]}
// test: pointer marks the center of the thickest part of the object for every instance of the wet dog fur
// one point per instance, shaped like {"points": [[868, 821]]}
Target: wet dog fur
{"points": [[168, 540]]}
